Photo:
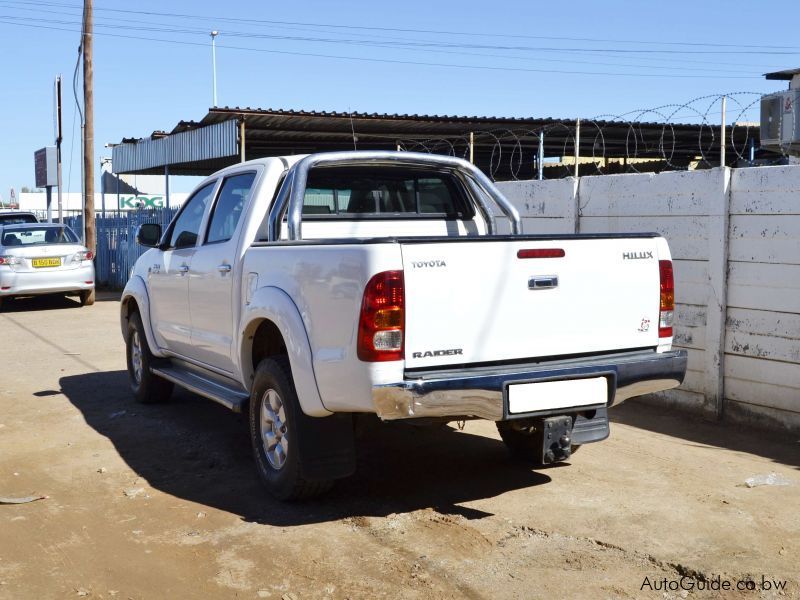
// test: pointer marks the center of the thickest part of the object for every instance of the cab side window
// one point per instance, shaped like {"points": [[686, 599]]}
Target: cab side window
{"points": [[229, 207], [187, 225]]}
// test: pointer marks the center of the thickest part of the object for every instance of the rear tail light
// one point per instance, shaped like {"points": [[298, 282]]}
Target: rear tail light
{"points": [[83, 255], [9, 260], [667, 305], [380, 327]]}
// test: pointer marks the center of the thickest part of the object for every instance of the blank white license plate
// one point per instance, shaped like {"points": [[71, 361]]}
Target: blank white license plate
{"points": [[550, 395]]}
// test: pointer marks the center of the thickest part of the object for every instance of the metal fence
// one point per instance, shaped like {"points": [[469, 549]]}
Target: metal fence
{"points": [[117, 250]]}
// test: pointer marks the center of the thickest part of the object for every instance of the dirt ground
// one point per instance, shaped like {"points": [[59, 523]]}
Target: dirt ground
{"points": [[163, 501]]}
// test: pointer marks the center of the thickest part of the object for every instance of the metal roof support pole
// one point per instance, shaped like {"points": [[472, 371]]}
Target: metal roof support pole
{"points": [[577, 145], [540, 158], [722, 134], [166, 183], [214, 35], [102, 190], [241, 141], [472, 147]]}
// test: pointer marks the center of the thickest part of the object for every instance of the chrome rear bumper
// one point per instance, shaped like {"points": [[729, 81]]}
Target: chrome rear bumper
{"points": [[481, 392]]}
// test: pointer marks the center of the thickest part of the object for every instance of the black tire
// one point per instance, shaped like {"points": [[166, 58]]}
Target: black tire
{"points": [[280, 469], [1, 302], [522, 443], [87, 297], [146, 387]]}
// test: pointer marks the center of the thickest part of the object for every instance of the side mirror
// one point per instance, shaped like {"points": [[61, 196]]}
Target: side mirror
{"points": [[148, 235]]}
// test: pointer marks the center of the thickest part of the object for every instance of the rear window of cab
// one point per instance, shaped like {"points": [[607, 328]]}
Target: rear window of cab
{"points": [[348, 193]]}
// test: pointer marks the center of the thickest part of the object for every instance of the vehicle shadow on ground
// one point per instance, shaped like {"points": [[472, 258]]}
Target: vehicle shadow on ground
{"points": [[777, 446], [51, 302], [37, 303], [197, 450]]}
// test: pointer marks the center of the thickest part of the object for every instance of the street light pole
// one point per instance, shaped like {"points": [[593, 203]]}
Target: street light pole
{"points": [[214, 35]]}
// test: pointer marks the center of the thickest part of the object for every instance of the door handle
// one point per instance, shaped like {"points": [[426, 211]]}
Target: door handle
{"points": [[224, 268], [547, 282], [183, 269]]}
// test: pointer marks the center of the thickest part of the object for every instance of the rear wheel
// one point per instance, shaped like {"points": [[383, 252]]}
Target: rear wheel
{"points": [[520, 440], [274, 430], [87, 297], [146, 387]]}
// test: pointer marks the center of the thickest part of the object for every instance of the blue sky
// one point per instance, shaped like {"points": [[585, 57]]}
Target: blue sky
{"points": [[535, 59]]}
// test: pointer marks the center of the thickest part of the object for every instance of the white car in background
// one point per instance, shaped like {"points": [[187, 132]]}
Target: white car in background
{"points": [[44, 258], [14, 217]]}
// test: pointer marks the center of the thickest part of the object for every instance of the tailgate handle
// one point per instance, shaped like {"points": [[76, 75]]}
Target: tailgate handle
{"points": [[545, 282]]}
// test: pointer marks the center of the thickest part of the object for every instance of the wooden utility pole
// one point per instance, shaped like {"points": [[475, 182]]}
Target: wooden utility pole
{"points": [[88, 131], [59, 139]]}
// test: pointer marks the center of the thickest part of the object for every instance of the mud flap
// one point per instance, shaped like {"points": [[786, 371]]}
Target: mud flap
{"points": [[327, 447]]}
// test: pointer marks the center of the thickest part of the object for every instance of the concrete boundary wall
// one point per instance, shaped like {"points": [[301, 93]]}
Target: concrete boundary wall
{"points": [[735, 242]]}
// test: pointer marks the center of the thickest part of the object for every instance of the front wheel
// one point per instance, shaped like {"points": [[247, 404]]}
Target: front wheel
{"points": [[274, 429], [147, 388]]}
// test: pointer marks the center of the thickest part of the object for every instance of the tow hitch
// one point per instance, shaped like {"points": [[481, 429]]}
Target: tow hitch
{"points": [[548, 440], [555, 434]]}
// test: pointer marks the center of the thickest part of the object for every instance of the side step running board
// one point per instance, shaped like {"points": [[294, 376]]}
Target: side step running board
{"points": [[229, 397]]}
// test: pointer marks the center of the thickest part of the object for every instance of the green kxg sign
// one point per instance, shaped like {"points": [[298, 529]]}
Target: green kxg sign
{"points": [[134, 202]]}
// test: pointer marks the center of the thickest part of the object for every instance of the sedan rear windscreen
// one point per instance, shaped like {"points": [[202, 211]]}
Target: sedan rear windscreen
{"points": [[37, 236]]}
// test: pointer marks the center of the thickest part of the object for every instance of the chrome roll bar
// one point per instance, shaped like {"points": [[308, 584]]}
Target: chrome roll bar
{"points": [[290, 199]]}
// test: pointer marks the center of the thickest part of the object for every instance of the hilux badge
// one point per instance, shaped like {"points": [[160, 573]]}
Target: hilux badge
{"points": [[637, 255]]}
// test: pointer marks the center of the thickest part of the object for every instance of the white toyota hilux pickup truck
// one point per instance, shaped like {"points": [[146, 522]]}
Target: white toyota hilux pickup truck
{"points": [[304, 290]]}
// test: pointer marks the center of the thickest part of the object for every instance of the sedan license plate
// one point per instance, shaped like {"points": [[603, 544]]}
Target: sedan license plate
{"points": [[552, 395], [38, 263]]}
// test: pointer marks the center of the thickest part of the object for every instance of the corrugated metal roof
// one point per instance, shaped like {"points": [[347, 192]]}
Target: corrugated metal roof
{"points": [[215, 141], [475, 122], [785, 75], [275, 132]]}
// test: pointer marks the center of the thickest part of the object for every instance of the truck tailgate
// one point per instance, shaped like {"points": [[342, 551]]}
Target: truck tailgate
{"points": [[500, 300]]}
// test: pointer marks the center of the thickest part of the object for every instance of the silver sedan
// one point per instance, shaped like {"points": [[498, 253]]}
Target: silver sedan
{"points": [[44, 258]]}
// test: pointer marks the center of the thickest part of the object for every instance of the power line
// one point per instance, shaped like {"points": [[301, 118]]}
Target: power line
{"points": [[390, 61], [364, 43], [746, 48], [414, 45]]}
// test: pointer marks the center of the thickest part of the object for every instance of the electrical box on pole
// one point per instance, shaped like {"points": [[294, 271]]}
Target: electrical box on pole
{"points": [[46, 173], [780, 115]]}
